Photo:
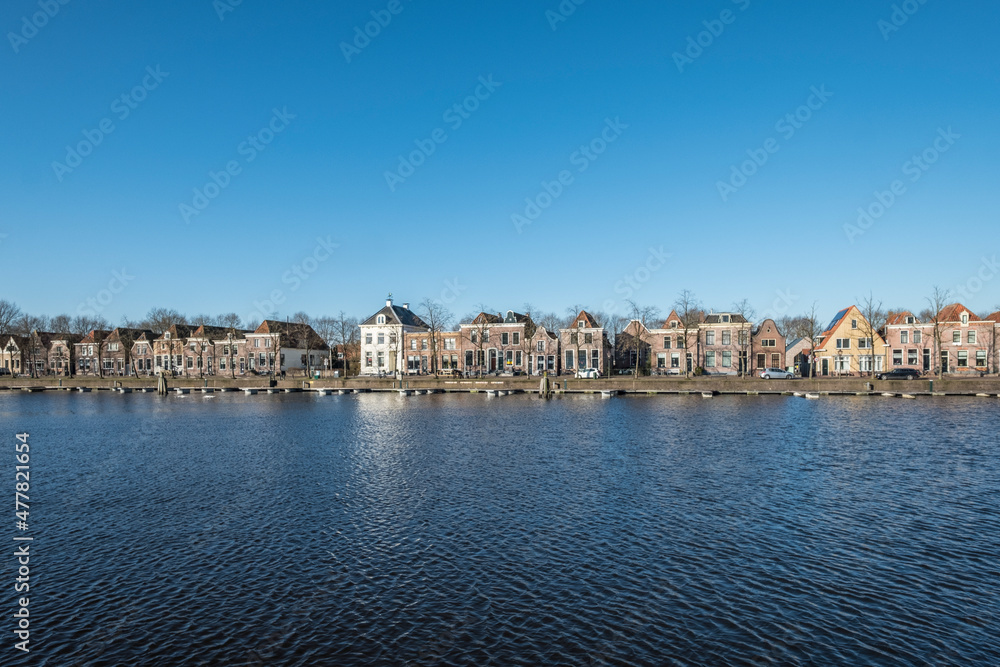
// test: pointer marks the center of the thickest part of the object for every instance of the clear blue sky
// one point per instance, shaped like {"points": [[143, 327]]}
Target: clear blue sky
{"points": [[323, 174]]}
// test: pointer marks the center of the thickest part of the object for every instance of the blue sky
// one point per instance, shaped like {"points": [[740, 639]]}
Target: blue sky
{"points": [[644, 218]]}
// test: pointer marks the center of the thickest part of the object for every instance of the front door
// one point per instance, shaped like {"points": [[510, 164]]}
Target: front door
{"points": [[944, 361], [493, 360], [927, 360], [826, 367]]}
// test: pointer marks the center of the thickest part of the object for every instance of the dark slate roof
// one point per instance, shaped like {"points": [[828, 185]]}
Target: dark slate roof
{"points": [[398, 315], [716, 318]]}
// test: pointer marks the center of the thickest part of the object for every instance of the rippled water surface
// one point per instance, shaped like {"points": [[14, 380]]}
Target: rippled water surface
{"points": [[373, 529]]}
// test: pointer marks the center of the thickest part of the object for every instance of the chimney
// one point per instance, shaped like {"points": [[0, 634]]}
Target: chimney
{"points": [[388, 302], [406, 306]]}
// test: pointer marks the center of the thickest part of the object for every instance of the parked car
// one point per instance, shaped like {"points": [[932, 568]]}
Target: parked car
{"points": [[899, 374], [776, 374], [588, 373], [449, 372]]}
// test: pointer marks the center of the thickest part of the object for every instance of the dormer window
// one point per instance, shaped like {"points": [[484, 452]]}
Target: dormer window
{"points": [[579, 324], [673, 324], [725, 318], [965, 318], [381, 319], [167, 335], [909, 320]]}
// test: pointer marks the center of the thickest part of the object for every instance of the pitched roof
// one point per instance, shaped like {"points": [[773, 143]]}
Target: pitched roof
{"points": [[177, 331], [213, 332], [293, 335], [397, 315], [672, 316], [900, 317], [716, 318], [487, 318], [94, 335], [994, 317], [588, 321], [953, 313]]}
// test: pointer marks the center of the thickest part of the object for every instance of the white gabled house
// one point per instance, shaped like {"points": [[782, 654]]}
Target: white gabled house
{"points": [[382, 337]]}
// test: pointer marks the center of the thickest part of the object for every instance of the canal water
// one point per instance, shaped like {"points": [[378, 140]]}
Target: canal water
{"points": [[462, 530]]}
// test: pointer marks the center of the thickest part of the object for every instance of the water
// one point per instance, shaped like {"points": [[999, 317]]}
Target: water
{"points": [[375, 529]]}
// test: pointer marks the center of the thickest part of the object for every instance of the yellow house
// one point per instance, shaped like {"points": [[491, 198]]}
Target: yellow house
{"points": [[850, 346]]}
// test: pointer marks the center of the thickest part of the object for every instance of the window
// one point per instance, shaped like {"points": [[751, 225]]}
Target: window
{"points": [[911, 357], [505, 338], [743, 338], [509, 358], [468, 358], [380, 319], [381, 359], [980, 357], [449, 343], [472, 337], [843, 343], [262, 361], [661, 359], [963, 359], [256, 342], [368, 339], [381, 339], [956, 336], [666, 342], [725, 318], [517, 338], [423, 343], [727, 338], [709, 338], [579, 324], [581, 359], [854, 324], [673, 324], [595, 359], [573, 338], [675, 360], [413, 343], [486, 336], [897, 357], [727, 359], [517, 358], [267, 342], [541, 346], [910, 320], [569, 358], [222, 363], [775, 360], [842, 364], [864, 343], [710, 359], [588, 338], [771, 342], [965, 320], [904, 337], [916, 338], [972, 337]]}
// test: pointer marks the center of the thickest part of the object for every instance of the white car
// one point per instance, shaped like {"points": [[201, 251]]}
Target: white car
{"points": [[588, 373], [775, 373]]}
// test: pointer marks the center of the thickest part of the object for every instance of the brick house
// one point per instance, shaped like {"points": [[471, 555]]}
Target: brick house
{"points": [[168, 349], [280, 347], [229, 349], [634, 346], [142, 353], [60, 352], [667, 351], [544, 351], [768, 347], [958, 342], [89, 352], [499, 343], [585, 344], [724, 343]]}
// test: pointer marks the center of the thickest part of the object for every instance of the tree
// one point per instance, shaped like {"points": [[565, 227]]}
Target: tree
{"points": [[810, 329], [438, 319], [60, 324], [232, 324], [128, 333], [159, 320], [100, 334], [9, 313], [873, 321], [303, 330], [936, 303], [745, 335], [641, 315], [689, 312], [478, 335], [347, 333]]}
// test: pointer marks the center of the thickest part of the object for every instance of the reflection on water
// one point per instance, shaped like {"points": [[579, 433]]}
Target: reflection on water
{"points": [[374, 529]]}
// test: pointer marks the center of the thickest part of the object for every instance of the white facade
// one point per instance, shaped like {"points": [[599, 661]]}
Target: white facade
{"points": [[382, 339]]}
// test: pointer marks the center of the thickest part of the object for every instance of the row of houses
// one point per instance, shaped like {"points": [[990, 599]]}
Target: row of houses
{"points": [[396, 340], [189, 351]]}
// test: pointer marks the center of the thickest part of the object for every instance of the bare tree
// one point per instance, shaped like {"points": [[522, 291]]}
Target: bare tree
{"points": [[810, 329], [60, 324], [159, 320], [438, 319], [641, 315], [478, 336], [346, 335], [9, 313], [744, 341], [873, 321], [689, 312], [936, 302], [232, 324]]}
